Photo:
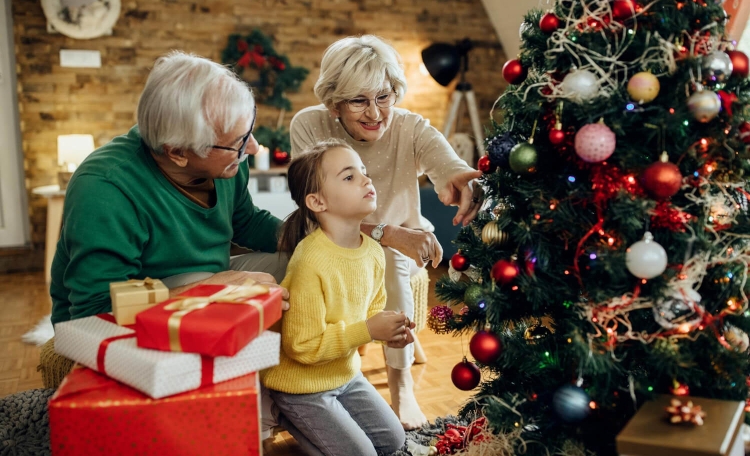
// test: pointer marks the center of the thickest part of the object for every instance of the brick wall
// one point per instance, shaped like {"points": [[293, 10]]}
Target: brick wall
{"points": [[102, 102]]}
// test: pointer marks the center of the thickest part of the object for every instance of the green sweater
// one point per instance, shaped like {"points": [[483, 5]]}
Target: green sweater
{"points": [[123, 220]]}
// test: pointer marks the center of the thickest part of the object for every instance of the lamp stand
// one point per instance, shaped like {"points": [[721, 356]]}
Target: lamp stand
{"points": [[464, 90]]}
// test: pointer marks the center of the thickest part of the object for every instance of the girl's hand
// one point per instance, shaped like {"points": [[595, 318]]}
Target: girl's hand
{"points": [[403, 343], [388, 326], [421, 246]]}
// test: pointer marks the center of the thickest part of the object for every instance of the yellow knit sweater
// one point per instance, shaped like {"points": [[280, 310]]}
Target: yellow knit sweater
{"points": [[332, 290]]}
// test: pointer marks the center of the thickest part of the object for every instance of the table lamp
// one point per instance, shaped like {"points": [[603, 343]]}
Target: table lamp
{"points": [[71, 150]]}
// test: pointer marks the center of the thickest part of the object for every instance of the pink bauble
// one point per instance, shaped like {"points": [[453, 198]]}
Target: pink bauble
{"points": [[595, 143]]}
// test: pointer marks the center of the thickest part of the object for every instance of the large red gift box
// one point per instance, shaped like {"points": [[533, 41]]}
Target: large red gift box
{"points": [[213, 320], [91, 414]]}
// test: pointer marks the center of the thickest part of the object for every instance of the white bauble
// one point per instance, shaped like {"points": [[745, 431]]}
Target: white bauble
{"points": [[704, 105], [580, 86], [646, 259]]}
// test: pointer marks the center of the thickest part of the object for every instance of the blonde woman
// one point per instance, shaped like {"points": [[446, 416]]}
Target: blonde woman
{"points": [[361, 80]]}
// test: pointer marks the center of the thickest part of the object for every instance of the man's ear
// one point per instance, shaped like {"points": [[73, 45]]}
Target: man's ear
{"points": [[177, 156], [315, 202]]}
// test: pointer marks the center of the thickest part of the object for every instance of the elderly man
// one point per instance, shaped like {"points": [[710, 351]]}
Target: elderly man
{"points": [[168, 198]]}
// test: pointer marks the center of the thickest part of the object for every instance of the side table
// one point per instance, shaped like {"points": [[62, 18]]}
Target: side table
{"points": [[55, 201]]}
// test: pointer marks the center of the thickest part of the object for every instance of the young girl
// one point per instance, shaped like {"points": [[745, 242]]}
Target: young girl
{"points": [[337, 295]]}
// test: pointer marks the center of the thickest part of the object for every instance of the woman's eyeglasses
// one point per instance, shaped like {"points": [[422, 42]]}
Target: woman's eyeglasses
{"points": [[245, 139], [385, 100]]}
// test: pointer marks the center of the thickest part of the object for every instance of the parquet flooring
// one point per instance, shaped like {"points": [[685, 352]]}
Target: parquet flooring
{"points": [[24, 299]]}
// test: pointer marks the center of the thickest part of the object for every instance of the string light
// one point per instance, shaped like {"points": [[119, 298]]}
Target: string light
{"points": [[685, 123], [552, 206], [571, 179], [650, 388], [592, 404], [671, 110], [593, 256], [630, 106], [611, 241]]}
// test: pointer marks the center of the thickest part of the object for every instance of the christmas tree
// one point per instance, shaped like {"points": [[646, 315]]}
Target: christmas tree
{"points": [[609, 263]]}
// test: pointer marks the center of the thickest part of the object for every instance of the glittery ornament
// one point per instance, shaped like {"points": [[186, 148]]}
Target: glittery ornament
{"points": [[704, 105], [549, 23], [485, 347], [580, 86], [536, 333], [459, 262], [646, 259], [608, 180], [571, 403], [466, 375], [514, 72], [504, 271], [740, 64], [716, 67], [662, 179], [473, 294], [492, 235], [523, 158], [498, 149], [665, 216], [438, 318], [595, 142], [556, 136], [643, 87]]}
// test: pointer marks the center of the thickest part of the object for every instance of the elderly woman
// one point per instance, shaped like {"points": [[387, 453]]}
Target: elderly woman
{"points": [[361, 79], [168, 198]]}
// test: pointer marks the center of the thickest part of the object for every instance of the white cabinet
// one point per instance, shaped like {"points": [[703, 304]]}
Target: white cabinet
{"points": [[269, 192]]}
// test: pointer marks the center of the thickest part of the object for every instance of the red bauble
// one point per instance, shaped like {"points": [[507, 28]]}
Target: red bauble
{"points": [[485, 165], [459, 262], [504, 272], [514, 72], [744, 129], [556, 137], [466, 375], [740, 64], [280, 157], [623, 9], [485, 347], [662, 179], [549, 23]]}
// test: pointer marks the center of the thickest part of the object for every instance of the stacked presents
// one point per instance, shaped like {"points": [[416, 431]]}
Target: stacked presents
{"points": [[177, 377]]}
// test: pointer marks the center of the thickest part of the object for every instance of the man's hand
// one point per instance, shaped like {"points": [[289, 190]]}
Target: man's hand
{"points": [[237, 278], [421, 246], [459, 192]]}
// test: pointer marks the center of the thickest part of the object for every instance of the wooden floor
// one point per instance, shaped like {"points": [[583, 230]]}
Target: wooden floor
{"points": [[24, 299]]}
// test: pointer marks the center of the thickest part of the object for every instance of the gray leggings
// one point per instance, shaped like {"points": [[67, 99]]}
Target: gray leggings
{"points": [[351, 420]]}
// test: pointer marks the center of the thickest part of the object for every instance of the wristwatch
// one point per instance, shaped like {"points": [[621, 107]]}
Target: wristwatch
{"points": [[377, 232]]}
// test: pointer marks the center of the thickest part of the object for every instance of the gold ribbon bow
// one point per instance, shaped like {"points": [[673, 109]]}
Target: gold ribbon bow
{"points": [[231, 294], [147, 283]]}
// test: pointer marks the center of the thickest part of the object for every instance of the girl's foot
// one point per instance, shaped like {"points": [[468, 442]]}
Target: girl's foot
{"points": [[403, 402]]}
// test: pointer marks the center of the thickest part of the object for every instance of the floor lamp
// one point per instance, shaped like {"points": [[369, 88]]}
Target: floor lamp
{"points": [[443, 62]]}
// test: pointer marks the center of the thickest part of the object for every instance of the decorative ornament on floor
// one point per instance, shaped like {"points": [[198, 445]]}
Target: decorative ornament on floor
{"points": [[662, 179], [492, 235], [643, 87], [740, 64], [498, 149], [704, 105], [679, 412], [269, 73], [646, 258], [459, 262], [514, 72], [438, 318], [679, 389], [466, 375], [504, 272], [571, 403], [716, 68], [536, 333], [595, 142], [549, 23], [485, 347], [580, 86]]}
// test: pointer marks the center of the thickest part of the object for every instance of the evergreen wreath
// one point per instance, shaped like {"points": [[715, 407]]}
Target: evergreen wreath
{"points": [[274, 74]]}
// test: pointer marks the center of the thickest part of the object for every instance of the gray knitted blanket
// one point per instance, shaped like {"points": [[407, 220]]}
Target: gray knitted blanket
{"points": [[24, 425]]}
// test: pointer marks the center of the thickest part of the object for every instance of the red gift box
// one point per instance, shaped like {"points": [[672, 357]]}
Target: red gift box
{"points": [[213, 320], [91, 414]]}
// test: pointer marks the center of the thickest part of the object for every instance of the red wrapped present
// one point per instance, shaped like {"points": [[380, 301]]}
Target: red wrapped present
{"points": [[91, 414], [213, 320]]}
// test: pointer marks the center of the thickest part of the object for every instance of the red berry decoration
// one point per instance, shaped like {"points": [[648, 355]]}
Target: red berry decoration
{"points": [[623, 9], [514, 72], [459, 262], [740, 64], [485, 165], [549, 23], [744, 129], [280, 157], [465, 375], [485, 347], [504, 272], [556, 137], [679, 389], [662, 179]]}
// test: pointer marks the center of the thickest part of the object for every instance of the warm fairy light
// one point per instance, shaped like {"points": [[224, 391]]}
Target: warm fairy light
{"points": [[684, 328], [601, 232], [671, 110], [611, 241], [570, 341], [709, 168], [732, 304], [592, 404], [537, 216], [643, 281], [726, 132], [704, 142], [552, 206], [701, 327], [515, 287], [516, 424], [609, 331], [631, 179], [567, 272], [594, 319]]}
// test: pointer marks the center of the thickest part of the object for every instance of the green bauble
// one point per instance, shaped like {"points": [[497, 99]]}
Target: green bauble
{"points": [[473, 294], [523, 158]]}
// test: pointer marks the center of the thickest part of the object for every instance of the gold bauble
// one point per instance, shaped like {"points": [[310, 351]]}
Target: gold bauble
{"points": [[536, 333], [433, 451], [643, 87], [492, 235]]}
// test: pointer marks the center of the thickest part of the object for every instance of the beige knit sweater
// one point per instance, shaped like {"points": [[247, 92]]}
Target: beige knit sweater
{"points": [[409, 148]]}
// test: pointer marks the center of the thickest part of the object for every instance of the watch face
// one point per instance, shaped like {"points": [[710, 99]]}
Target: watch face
{"points": [[377, 233]]}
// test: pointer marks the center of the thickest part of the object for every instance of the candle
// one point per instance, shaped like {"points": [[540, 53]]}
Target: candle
{"points": [[262, 158]]}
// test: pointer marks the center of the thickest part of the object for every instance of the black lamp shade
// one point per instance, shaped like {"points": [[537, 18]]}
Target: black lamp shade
{"points": [[443, 62]]}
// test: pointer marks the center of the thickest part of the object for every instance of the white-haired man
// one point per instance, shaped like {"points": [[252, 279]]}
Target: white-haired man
{"points": [[168, 198]]}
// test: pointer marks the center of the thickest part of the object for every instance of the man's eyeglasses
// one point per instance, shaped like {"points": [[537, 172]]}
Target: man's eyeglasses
{"points": [[385, 100], [245, 139]]}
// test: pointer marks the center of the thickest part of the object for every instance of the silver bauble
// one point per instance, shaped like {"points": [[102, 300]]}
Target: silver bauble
{"points": [[580, 86], [716, 67], [704, 105], [678, 308], [737, 338]]}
